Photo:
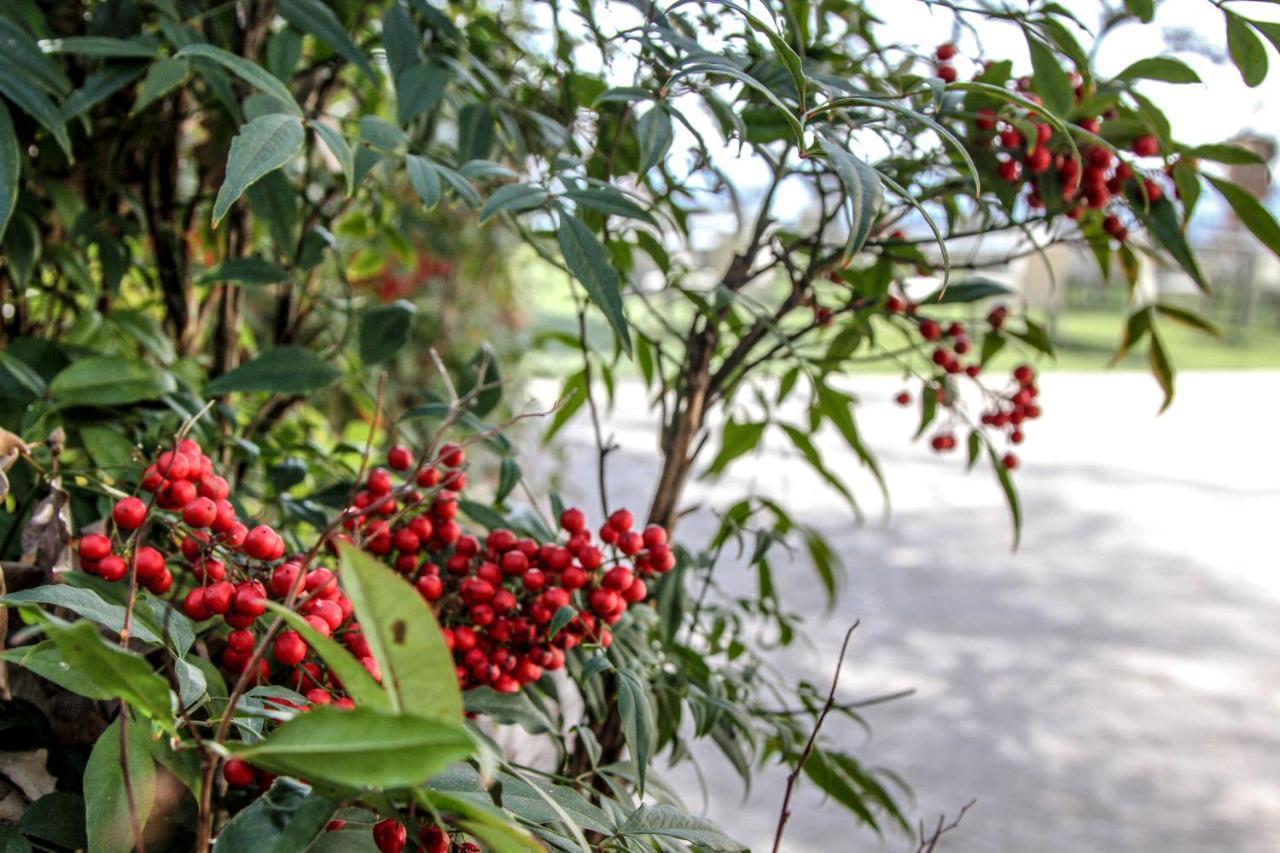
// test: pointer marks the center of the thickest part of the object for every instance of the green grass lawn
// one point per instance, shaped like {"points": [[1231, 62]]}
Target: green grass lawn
{"points": [[1085, 337]]}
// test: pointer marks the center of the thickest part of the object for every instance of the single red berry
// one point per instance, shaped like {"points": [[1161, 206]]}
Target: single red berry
{"points": [[452, 456], [173, 465], [112, 568], [572, 520], [903, 398], [1010, 461], [238, 773], [1010, 171], [250, 599], [241, 641], [260, 543], [94, 546], [150, 564], [945, 51], [200, 513], [129, 513], [947, 73], [289, 648], [1146, 146], [434, 839], [1038, 161], [193, 605], [400, 458]]}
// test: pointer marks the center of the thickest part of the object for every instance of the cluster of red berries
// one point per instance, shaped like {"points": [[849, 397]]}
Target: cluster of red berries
{"points": [[1008, 409], [1091, 183], [501, 601], [391, 836]]}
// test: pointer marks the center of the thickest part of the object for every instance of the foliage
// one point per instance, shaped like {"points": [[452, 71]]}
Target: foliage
{"points": [[284, 229]]}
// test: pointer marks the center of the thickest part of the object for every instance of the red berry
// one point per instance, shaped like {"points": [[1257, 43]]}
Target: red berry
{"points": [[150, 564], [112, 568], [903, 398], [237, 773], [451, 456], [573, 520], [200, 513], [1010, 461], [260, 544], [945, 51], [289, 648], [129, 513], [400, 458], [94, 546], [618, 578], [1009, 171], [986, 120], [250, 599], [193, 605], [173, 465], [218, 597], [434, 839], [1146, 146], [1038, 161], [947, 73], [160, 584]]}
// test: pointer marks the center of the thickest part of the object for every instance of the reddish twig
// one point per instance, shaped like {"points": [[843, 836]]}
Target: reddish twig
{"points": [[928, 843], [785, 813]]}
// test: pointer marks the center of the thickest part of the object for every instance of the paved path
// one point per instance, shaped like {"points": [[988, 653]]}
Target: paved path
{"points": [[1114, 686]]}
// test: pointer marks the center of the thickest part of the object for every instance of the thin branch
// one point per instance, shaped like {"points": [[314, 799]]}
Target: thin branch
{"points": [[785, 813], [928, 843]]}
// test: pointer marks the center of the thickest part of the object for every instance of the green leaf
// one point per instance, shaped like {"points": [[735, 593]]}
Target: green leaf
{"points": [[341, 151], [637, 721], [1010, 493], [1161, 368], [1050, 80], [400, 37], [862, 187], [1135, 329], [262, 146], [669, 822], [1230, 154], [655, 134], [312, 16], [284, 820], [87, 603], [252, 73], [805, 445], [45, 660], [1246, 49], [116, 671], [827, 776], [111, 381], [356, 680], [1162, 68], [283, 370], [164, 76], [1188, 318], [418, 89], [485, 401], [563, 616], [404, 637], [381, 133], [837, 407], [514, 198], [1161, 219], [251, 269], [494, 828], [55, 817], [970, 290], [825, 563], [361, 748], [107, 816], [591, 266], [99, 86], [1145, 10], [611, 201], [29, 61], [1250, 211], [10, 168], [515, 708], [735, 440], [35, 104], [103, 46], [384, 330], [425, 179]]}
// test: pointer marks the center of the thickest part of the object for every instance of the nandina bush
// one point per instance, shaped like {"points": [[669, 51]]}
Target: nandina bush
{"points": [[276, 578]]}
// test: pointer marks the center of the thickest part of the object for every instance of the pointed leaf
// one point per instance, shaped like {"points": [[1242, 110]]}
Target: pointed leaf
{"points": [[262, 146], [108, 822], [314, 17], [283, 370], [592, 267], [253, 74]]}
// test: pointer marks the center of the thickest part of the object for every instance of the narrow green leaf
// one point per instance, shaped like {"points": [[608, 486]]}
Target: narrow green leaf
{"points": [[1010, 493], [1145, 10], [1246, 49], [341, 151], [1161, 219], [1163, 68], [418, 89], [103, 46], [863, 189], [591, 266], [360, 748], [1231, 154], [669, 822], [253, 74], [116, 671], [736, 439], [108, 822], [262, 146], [1188, 318], [164, 76], [425, 179], [611, 201], [1161, 368], [251, 269], [314, 17], [45, 660], [385, 330], [283, 370], [637, 721], [35, 104], [1050, 80], [655, 133], [10, 168], [417, 668], [111, 381], [514, 198], [1250, 211], [286, 819]]}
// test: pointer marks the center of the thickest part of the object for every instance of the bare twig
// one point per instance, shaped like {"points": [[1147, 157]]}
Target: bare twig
{"points": [[785, 813], [929, 842]]}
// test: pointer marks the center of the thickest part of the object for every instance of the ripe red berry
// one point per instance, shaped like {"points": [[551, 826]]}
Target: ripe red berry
{"points": [[1146, 146], [94, 546], [289, 648], [112, 568], [1010, 171], [173, 465], [573, 520], [218, 596], [238, 773], [945, 51], [903, 398], [434, 839], [400, 458], [1038, 161], [150, 564], [159, 584], [1010, 461], [193, 605], [250, 599], [929, 330], [261, 543], [129, 513], [452, 456], [947, 73], [200, 513], [214, 488]]}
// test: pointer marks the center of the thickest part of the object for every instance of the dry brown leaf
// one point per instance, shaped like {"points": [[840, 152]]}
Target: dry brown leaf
{"points": [[46, 540]]}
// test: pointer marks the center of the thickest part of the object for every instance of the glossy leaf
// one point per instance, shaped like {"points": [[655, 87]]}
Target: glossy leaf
{"points": [[385, 329], [110, 381], [637, 721], [1250, 211], [404, 637], [45, 660], [669, 822], [1050, 80], [252, 73], [121, 673], [316, 18], [1246, 49], [108, 823], [592, 267], [655, 134], [283, 370], [286, 819], [513, 198], [247, 270], [360, 748], [418, 89], [262, 146], [10, 168], [1163, 68]]}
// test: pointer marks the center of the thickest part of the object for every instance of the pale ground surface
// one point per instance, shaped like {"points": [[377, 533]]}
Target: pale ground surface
{"points": [[1114, 686]]}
